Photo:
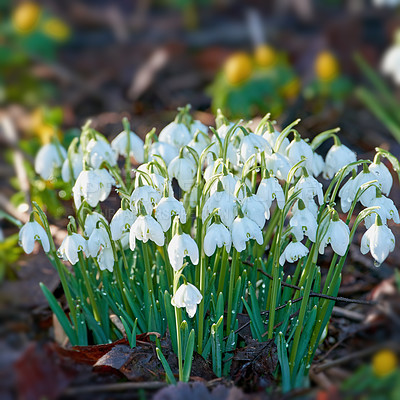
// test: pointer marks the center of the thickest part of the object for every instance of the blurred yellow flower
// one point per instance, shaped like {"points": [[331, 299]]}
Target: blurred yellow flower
{"points": [[291, 89], [265, 56], [326, 66], [26, 16], [56, 29], [238, 68], [384, 362]]}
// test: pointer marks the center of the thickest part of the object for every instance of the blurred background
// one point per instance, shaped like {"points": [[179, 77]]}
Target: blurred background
{"points": [[330, 63]]}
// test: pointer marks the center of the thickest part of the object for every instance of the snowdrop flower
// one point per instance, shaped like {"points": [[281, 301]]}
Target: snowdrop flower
{"points": [[70, 247], [293, 252], [93, 186], [184, 171], [303, 222], [76, 165], [91, 222], [187, 296], [298, 150], [136, 146], [32, 231], [387, 210], [144, 228], [199, 142], [391, 59], [167, 208], [278, 165], [197, 125], [224, 202], [217, 235], [176, 134], [379, 240], [309, 188], [253, 144], [347, 193], [164, 150], [99, 246], [318, 164], [224, 129], [49, 157], [269, 190], [121, 222], [228, 181], [337, 236], [382, 175], [147, 195], [180, 246], [272, 136], [99, 151], [337, 157], [312, 207], [244, 229], [370, 193], [254, 208]]}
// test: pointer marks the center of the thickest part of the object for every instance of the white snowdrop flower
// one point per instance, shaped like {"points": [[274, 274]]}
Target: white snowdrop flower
{"points": [[299, 150], [197, 125], [244, 229], [391, 59], [370, 193], [91, 222], [337, 157], [254, 208], [293, 252], [387, 210], [121, 223], [217, 235], [32, 231], [309, 188], [180, 246], [164, 150], [303, 222], [76, 166], [176, 134], [268, 190], [337, 236], [379, 240], [136, 146], [70, 247], [146, 228], [99, 246], [347, 193], [226, 205], [93, 186], [253, 144], [147, 195], [184, 171], [272, 137], [167, 208], [228, 181], [382, 175], [197, 145], [49, 157], [99, 151], [312, 207], [278, 165], [224, 129], [318, 164], [187, 296]]}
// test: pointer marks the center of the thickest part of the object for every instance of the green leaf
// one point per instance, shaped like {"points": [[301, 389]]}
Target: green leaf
{"points": [[169, 375], [284, 362], [187, 368]]}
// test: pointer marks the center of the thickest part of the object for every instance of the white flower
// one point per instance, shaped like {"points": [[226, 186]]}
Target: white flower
{"points": [[99, 246], [318, 164], [336, 158], [253, 144], [303, 222], [272, 137], [49, 157], [312, 207], [93, 186], [176, 134], [379, 240], [228, 181], [217, 235], [391, 61], [182, 245], [76, 164], [226, 204], [309, 187], [167, 208], [136, 150], [244, 229], [187, 296], [184, 171], [382, 175], [121, 222], [147, 195], [198, 126], [298, 150], [71, 246], [269, 190], [278, 165], [164, 150], [337, 236], [387, 210], [347, 194], [99, 151], [144, 228], [254, 208], [91, 222], [370, 193], [293, 252], [31, 232]]}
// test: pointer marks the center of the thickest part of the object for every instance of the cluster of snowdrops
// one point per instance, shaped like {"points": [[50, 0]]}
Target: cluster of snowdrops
{"points": [[212, 224]]}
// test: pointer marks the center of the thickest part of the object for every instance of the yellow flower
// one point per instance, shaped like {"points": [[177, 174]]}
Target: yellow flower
{"points": [[238, 68], [56, 29], [265, 56], [326, 66], [26, 16], [291, 89], [384, 362]]}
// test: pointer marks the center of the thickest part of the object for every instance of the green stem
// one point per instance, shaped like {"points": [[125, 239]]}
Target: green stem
{"points": [[147, 266], [224, 266], [235, 261], [201, 305]]}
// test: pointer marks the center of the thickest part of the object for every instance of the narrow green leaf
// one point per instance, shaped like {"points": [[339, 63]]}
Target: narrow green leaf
{"points": [[168, 372], [187, 368]]}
